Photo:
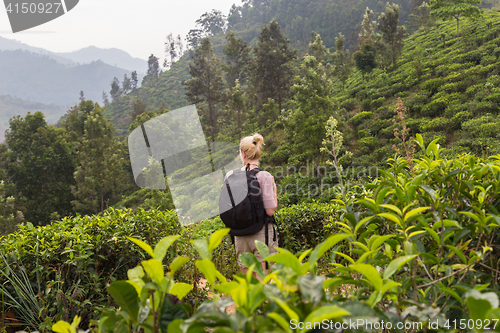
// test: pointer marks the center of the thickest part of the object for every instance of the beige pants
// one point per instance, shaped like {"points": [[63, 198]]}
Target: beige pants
{"points": [[247, 243]]}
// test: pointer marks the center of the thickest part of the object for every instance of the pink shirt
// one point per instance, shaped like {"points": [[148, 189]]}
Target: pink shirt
{"points": [[266, 183]]}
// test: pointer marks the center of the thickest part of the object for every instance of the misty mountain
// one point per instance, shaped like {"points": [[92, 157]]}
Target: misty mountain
{"points": [[113, 56], [12, 106], [36, 77], [11, 45]]}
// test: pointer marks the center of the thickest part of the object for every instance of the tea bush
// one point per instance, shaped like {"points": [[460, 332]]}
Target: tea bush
{"points": [[420, 247], [70, 261]]}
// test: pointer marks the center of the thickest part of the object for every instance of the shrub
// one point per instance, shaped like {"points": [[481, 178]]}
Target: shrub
{"points": [[360, 117], [432, 86], [91, 251], [302, 226], [486, 126], [367, 144], [436, 124], [485, 107], [376, 103], [349, 104], [435, 107]]}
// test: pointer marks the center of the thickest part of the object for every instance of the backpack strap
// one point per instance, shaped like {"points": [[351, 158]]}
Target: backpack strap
{"points": [[267, 237]]}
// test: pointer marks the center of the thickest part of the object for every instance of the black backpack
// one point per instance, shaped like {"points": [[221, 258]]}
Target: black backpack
{"points": [[240, 203]]}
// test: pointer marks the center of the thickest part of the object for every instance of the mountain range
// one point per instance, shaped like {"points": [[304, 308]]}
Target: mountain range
{"points": [[34, 79]]}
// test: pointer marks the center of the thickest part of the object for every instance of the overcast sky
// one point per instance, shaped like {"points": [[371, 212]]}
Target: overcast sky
{"points": [[138, 27]]}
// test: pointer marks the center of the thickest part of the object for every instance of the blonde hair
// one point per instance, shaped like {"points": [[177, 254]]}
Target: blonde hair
{"points": [[252, 146]]}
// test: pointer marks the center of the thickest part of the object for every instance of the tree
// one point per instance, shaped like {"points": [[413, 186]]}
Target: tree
{"points": [[342, 61], [365, 59], [82, 96], [237, 55], [212, 23], [134, 80], [100, 171], [126, 84], [272, 73], [455, 9], [312, 100], [368, 26], [180, 46], [138, 108], [115, 91], [205, 88], [105, 99], [392, 35], [193, 38], [153, 70], [170, 50], [40, 164]]}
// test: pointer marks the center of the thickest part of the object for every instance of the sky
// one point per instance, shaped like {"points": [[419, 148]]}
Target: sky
{"points": [[138, 27]]}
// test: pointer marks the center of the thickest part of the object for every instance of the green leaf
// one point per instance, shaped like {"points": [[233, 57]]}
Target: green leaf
{"points": [[216, 238], [201, 245], [393, 208], [262, 248], [429, 190], [379, 240], [433, 234], [391, 217], [126, 297], [414, 211], [458, 253], [452, 293], [249, 259], [142, 245], [311, 288], [480, 304], [361, 223], [287, 259], [370, 273], [177, 263], [162, 247], [154, 269], [136, 274], [396, 264], [207, 267], [446, 223], [290, 313], [180, 289], [170, 312], [62, 327], [324, 312], [285, 325], [324, 246]]}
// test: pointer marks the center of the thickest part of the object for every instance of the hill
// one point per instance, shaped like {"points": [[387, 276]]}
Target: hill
{"points": [[297, 19], [451, 91], [112, 56], [13, 106], [38, 78]]}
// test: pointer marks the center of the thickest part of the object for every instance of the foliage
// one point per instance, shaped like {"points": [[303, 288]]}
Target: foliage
{"points": [[101, 167], [73, 259], [312, 102], [41, 166], [447, 9], [206, 84], [391, 34], [272, 70]]}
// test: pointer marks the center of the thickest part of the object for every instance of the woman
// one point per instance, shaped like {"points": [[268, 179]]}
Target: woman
{"points": [[250, 152]]}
